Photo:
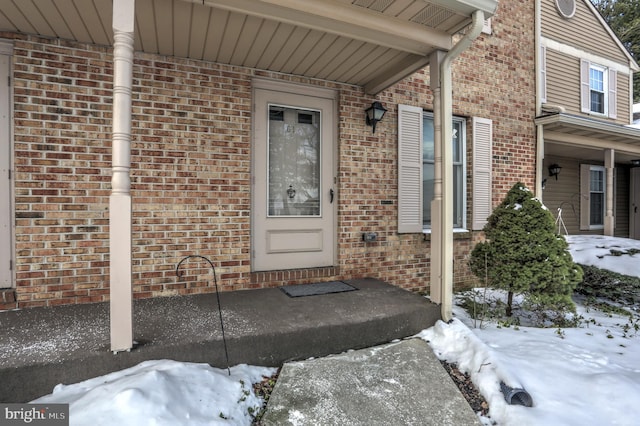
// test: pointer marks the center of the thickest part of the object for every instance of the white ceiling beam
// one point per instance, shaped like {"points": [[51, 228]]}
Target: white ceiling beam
{"points": [[576, 140], [344, 20], [400, 70], [467, 7]]}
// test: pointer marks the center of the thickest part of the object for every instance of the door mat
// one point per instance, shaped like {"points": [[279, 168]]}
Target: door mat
{"points": [[316, 288]]}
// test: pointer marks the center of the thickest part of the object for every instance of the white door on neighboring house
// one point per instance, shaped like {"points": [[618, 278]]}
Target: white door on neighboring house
{"points": [[293, 192], [5, 168], [634, 220]]}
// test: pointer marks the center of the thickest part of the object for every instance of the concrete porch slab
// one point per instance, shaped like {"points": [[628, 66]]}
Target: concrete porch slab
{"points": [[41, 347]]}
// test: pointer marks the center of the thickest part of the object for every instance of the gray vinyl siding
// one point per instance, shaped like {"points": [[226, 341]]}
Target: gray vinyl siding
{"points": [[563, 85], [583, 31], [565, 193], [563, 81], [624, 99]]}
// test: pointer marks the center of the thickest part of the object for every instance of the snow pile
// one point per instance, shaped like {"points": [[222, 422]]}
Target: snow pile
{"points": [[575, 376], [457, 344], [164, 393]]}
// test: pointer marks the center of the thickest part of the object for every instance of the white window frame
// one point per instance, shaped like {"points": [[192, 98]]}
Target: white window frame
{"points": [[410, 169], [610, 95], [459, 224], [604, 92], [586, 191], [7, 190], [603, 171], [543, 74]]}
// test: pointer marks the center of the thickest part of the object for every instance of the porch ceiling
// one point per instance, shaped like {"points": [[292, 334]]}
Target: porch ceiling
{"points": [[369, 43], [564, 132]]}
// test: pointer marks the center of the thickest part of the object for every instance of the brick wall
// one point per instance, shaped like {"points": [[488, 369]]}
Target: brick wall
{"points": [[191, 158], [62, 96]]}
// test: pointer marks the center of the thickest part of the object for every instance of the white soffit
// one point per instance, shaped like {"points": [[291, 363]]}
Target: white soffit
{"points": [[369, 43]]}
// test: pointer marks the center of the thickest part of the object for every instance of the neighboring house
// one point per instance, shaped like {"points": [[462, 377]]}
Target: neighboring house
{"points": [[247, 143], [584, 113]]}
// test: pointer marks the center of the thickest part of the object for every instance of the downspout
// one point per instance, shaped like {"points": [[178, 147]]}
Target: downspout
{"points": [[446, 110], [539, 127]]}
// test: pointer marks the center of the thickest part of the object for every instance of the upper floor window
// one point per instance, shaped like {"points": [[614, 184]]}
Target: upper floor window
{"points": [[597, 89]]}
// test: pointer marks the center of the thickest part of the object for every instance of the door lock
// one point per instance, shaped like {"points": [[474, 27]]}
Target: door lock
{"points": [[331, 194]]}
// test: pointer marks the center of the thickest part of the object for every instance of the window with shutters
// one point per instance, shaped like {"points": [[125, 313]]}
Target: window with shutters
{"points": [[598, 89], [459, 172], [593, 196], [596, 196], [416, 164]]}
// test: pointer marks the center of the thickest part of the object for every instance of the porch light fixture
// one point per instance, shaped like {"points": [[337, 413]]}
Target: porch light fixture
{"points": [[374, 114], [636, 162], [554, 170]]}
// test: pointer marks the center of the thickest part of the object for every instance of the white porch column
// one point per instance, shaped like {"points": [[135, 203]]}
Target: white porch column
{"points": [[436, 222], [121, 292], [609, 219]]}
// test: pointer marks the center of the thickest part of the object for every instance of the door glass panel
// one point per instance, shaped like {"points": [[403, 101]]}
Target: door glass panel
{"points": [[294, 162]]}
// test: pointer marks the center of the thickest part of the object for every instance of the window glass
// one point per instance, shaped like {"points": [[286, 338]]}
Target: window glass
{"points": [[596, 196], [428, 166], [294, 162], [597, 89]]}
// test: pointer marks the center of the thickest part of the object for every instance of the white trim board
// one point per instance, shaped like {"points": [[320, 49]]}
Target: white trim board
{"points": [[583, 54]]}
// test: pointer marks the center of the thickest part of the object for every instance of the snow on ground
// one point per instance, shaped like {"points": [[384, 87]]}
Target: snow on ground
{"points": [[588, 375], [164, 393], [596, 250], [576, 376]]}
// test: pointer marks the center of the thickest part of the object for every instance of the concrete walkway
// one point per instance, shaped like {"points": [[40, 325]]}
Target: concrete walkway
{"points": [[41, 347], [394, 384]]}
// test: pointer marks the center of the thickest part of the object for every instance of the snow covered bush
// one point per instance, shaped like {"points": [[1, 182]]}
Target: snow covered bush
{"points": [[524, 254]]}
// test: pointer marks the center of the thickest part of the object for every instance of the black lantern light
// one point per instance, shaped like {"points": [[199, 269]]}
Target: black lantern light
{"points": [[554, 170], [374, 114]]}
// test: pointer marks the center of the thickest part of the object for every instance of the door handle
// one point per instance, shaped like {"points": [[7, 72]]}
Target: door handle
{"points": [[331, 194]]}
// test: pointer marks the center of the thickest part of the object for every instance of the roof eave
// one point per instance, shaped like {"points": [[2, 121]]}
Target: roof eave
{"points": [[589, 123]]}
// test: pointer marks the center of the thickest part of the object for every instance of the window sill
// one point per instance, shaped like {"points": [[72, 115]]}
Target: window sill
{"points": [[458, 234], [598, 114]]}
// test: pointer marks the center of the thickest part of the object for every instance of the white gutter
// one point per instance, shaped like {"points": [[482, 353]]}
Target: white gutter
{"points": [[446, 216]]}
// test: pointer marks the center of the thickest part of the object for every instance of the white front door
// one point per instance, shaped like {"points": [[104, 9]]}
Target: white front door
{"points": [[634, 219], [293, 193], [5, 168]]}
